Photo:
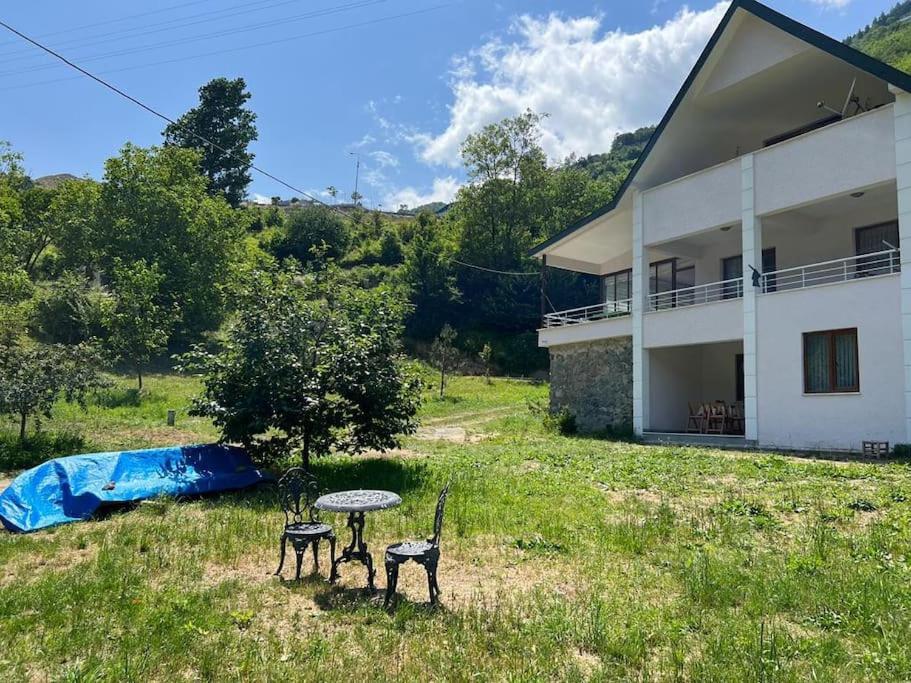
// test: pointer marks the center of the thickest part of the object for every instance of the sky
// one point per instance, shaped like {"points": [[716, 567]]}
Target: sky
{"points": [[395, 83]]}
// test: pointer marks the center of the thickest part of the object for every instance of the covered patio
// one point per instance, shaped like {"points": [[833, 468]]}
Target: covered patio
{"points": [[704, 380]]}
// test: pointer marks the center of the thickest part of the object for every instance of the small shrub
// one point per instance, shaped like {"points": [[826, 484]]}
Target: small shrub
{"points": [[16, 454], [561, 422], [902, 450]]}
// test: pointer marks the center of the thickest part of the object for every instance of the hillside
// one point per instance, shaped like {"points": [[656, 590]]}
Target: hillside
{"points": [[623, 153], [51, 182], [888, 37]]}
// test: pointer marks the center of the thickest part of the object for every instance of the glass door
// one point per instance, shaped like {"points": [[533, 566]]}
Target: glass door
{"points": [[732, 269]]}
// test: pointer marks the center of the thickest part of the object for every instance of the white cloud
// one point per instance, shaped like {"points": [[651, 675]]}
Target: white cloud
{"points": [[592, 84], [368, 139], [831, 4], [443, 190], [384, 158]]}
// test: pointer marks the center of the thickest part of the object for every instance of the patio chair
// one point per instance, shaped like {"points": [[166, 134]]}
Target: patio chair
{"points": [[736, 419], [695, 421], [717, 418], [297, 491], [425, 553]]}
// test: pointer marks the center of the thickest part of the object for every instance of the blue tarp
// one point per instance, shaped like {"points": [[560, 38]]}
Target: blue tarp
{"points": [[73, 488]]}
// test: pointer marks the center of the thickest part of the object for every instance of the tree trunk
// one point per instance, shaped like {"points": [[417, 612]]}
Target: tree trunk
{"points": [[442, 379], [22, 418], [139, 375], [306, 451]]}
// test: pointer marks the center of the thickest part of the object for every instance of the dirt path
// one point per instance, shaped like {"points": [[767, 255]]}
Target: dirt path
{"points": [[460, 419], [454, 428]]}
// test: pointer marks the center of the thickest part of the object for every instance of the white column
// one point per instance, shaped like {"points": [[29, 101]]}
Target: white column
{"points": [[640, 292], [902, 113], [751, 230]]}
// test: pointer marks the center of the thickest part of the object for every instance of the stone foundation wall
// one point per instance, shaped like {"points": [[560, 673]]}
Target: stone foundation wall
{"points": [[594, 381]]}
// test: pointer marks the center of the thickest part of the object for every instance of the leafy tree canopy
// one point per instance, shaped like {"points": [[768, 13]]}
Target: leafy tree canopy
{"points": [[138, 326], [33, 377], [222, 118], [311, 231], [310, 365], [153, 206]]}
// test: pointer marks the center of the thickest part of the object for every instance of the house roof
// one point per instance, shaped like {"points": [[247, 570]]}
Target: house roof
{"points": [[837, 49]]}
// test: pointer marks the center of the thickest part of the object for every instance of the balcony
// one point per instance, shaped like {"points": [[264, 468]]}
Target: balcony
{"points": [[586, 314], [848, 269], [588, 323], [854, 153], [706, 199], [696, 296]]}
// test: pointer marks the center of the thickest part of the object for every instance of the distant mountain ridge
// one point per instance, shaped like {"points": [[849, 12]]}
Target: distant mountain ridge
{"points": [[51, 182]]}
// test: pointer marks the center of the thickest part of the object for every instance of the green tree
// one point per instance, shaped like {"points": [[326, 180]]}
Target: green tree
{"points": [[221, 118], [443, 354], [309, 364], [137, 325], [68, 311], [15, 284], [390, 248], [427, 274], [512, 201], [38, 231], [486, 356], [74, 214], [154, 207], [311, 230], [33, 377]]}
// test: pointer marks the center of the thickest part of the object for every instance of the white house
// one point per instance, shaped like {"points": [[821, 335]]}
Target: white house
{"points": [[757, 254]]}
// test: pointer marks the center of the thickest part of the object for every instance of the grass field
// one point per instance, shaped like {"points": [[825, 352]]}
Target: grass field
{"points": [[563, 559]]}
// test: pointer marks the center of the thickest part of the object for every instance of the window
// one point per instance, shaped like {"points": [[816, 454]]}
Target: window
{"points": [[617, 286], [830, 362], [686, 279], [663, 278], [873, 239]]}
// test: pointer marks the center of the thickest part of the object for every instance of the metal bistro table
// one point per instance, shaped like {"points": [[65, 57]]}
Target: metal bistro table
{"points": [[356, 503]]}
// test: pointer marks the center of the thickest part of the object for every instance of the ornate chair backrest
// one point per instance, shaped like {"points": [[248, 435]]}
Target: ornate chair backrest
{"points": [[297, 491], [438, 518]]}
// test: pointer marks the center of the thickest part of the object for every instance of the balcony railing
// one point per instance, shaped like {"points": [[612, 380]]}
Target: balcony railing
{"points": [[697, 295], [829, 272], [574, 316]]}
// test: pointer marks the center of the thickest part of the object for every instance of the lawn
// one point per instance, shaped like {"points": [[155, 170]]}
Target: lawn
{"points": [[563, 559]]}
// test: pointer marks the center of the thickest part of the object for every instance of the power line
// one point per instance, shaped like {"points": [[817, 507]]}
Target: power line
{"points": [[115, 20], [204, 36], [206, 141], [169, 25], [241, 48]]}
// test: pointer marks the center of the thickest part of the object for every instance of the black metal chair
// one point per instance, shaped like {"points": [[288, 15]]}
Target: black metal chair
{"points": [[425, 553], [297, 491]]}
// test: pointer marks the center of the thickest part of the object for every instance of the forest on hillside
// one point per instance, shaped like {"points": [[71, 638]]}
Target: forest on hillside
{"points": [[888, 37]]}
